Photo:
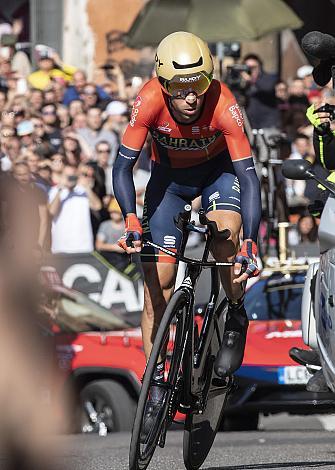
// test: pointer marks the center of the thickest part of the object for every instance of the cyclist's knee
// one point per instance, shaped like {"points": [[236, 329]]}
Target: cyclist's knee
{"points": [[159, 282]]}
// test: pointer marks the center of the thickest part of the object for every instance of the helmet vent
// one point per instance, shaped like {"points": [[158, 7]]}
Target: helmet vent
{"points": [[187, 66]]}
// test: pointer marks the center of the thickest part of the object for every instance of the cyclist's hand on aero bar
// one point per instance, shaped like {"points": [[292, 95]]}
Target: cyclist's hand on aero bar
{"points": [[246, 262], [131, 241]]}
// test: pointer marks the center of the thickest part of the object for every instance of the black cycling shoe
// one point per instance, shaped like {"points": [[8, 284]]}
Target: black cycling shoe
{"points": [[305, 356], [230, 356], [151, 414]]}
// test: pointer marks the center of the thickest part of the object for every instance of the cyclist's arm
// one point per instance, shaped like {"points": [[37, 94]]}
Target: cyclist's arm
{"points": [[240, 153], [250, 196], [123, 183], [131, 145]]}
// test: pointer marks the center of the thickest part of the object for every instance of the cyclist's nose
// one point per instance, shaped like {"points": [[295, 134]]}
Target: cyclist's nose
{"points": [[191, 98]]}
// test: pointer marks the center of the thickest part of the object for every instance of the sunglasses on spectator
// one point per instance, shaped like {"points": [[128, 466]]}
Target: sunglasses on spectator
{"points": [[103, 150], [48, 112]]}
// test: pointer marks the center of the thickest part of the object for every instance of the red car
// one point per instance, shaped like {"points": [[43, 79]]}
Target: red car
{"points": [[103, 369]]}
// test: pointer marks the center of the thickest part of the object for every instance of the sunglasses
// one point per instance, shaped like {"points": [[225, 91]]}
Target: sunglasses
{"points": [[103, 150], [49, 112], [181, 86]]}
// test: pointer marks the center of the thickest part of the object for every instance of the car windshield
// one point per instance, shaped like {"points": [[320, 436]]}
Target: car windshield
{"points": [[276, 298]]}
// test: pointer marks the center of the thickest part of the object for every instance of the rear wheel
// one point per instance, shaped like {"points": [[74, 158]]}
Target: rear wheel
{"points": [[169, 342], [201, 429]]}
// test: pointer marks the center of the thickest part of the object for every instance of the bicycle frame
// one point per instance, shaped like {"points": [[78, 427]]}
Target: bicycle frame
{"points": [[196, 387]]}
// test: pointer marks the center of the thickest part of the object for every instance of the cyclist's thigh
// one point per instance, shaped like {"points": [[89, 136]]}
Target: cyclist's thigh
{"points": [[164, 200], [221, 200]]}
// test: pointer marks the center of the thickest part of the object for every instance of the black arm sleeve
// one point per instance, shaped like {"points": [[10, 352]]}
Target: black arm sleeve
{"points": [[123, 183], [251, 206], [324, 147]]}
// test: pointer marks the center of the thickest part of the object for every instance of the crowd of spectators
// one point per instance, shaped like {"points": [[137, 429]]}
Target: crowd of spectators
{"points": [[60, 135], [278, 107], [59, 140]]}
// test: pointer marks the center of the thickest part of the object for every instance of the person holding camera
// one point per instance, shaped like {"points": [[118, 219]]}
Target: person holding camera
{"points": [[261, 102], [323, 122], [70, 203]]}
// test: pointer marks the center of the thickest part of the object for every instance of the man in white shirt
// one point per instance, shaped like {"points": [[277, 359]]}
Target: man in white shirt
{"points": [[69, 206]]}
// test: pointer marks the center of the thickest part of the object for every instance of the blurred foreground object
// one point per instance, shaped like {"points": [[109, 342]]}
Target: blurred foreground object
{"points": [[214, 20], [29, 415]]}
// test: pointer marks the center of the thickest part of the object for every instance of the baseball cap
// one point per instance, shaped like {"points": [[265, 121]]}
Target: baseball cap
{"points": [[304, 71], [25, 128], [116, 108]]}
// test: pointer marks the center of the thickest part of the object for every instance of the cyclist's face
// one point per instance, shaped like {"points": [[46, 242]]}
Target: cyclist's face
{"points": [[187, 108]]}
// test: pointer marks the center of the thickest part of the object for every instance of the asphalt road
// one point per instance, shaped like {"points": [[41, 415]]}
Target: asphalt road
{"points": [[282, 443]]}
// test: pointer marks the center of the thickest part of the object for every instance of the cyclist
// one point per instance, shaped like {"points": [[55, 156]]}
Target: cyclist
{"points": [[199, 148]]}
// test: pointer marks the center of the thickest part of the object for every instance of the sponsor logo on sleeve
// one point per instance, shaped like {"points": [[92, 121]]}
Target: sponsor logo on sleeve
{"points": [[236, 114], [134, 111]]}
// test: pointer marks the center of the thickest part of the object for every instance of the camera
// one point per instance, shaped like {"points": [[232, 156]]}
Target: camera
{"points": [[233, 76], [327, 108]]}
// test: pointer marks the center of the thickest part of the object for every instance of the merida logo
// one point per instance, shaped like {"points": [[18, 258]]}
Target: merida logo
{"points": [[189, 79]]}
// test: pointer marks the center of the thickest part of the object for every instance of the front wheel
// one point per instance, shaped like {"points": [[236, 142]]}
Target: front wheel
{"points": [[169, 344], [201, 428]]}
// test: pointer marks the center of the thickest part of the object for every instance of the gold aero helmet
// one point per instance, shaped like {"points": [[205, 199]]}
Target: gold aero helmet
{"points": [[183, 64]]}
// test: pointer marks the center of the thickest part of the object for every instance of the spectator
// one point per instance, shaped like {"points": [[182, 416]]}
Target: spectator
{"points": [[117, 117], [63, 116], [71, 149], [69, 206], [50, 67], [36, 100], [75, 107], [39, 128], [74, 91], [303, 239], [53, 133], [79, 121], [261, 103], [11, 152], [297, 95], [57, 163], [25, 130], [91, 98], [305, 73], [44, 173], [94, 133], [110, 231], [103, 171], [295, 189], [49, 96], [26, 215], [3, 100]]}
